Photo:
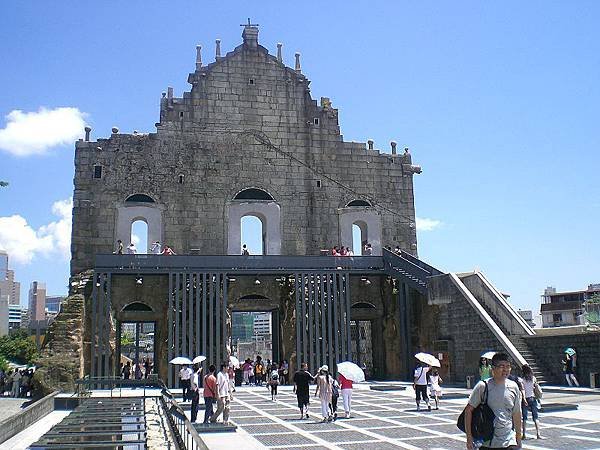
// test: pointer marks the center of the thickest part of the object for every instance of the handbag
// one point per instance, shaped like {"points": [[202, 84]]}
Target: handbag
{"points": [[482, 419], [537, 391]]}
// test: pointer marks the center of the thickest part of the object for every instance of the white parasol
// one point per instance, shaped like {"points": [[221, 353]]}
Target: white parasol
{"points": [[488, 355], [198, 359], [181, 360], [233, 361], [428, 359], [351, 371]]}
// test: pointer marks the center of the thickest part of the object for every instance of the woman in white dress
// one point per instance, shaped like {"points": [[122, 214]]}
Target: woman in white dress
{"points": [[324, 391]]}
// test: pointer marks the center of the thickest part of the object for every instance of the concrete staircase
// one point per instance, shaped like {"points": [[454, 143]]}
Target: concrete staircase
{"points": [[523, 348]]}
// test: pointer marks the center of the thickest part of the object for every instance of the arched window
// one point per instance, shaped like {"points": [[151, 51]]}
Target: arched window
{"points": [[139, 235], [140, 198], [366, 305], [360, 237], [253, 235], [137, 306], [253, 194], [359, 203]]}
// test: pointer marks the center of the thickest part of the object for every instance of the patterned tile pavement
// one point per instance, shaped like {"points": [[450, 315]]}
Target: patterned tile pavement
{"points": [[385, 420]]}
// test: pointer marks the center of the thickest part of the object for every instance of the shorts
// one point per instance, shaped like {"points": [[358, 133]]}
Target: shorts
{"points": [[421, 389], [303, 399], [532, 405]]}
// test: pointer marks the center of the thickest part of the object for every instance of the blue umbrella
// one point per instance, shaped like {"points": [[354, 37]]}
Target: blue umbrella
{"points": [[569, 351]]}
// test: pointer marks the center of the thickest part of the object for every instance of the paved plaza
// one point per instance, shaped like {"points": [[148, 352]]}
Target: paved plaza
{"points": [[389, 420]]}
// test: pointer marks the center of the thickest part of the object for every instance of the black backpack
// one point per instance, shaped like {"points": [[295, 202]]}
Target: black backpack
{"points": [[482, 419]]}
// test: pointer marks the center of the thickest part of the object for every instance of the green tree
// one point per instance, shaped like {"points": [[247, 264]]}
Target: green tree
{"points": [[3, 364], [18, 347]]}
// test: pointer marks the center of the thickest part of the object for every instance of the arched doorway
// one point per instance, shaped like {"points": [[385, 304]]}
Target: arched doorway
{"points": [[136, 340], [139, 235], [252, 234]]}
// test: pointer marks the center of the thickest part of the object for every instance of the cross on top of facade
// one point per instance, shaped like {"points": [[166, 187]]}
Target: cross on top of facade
{"points": [[249, 24]]}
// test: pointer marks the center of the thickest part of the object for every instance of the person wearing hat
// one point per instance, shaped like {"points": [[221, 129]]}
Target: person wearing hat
{"points": [[324, 391]]}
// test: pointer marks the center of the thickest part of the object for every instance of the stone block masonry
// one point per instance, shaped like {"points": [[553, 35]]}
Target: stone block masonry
{"points": [[248, 122]]}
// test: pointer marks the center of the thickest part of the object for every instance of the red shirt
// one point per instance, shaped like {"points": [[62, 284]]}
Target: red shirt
{"points": [[210, 386], [345, 383]]}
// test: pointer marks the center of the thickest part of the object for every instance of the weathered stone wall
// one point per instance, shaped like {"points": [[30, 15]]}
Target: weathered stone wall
{"points": [[61, 361], [450, 317], [549, 350], [208, 136]]}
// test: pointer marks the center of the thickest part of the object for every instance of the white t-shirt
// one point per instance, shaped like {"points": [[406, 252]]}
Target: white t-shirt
{"points": [[223, 384], [421, 375], [528, 387], [504, 400], [185, 373]]}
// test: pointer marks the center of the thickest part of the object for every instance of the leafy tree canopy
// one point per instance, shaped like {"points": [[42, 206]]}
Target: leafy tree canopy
{"points": [[18, 347]]}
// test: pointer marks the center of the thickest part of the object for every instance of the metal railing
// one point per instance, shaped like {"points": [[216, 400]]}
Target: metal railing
{"points": [[236, 263], [185, 434], [85, 385]]}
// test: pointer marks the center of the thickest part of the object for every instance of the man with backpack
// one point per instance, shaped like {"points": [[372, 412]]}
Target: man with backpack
{"points": [[503, 397], [274, 382], [420, 385], [210, 392]]}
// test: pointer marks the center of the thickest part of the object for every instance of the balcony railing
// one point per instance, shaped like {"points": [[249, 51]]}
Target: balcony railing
{"points": [[236, 263]]}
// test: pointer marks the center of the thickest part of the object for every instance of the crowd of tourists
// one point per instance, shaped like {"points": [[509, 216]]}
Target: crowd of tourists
{"points": [[136, 371], [16, 383], [259, 372]]}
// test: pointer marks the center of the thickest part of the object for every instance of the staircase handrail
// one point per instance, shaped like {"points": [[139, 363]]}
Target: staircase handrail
{"points": [[484, 315], [397, 261], [432, 270], [507, 307]]}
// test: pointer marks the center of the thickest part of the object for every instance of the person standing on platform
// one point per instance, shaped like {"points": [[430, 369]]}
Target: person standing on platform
{"points": [[195, 393], [223, 396], [210, 392], [185, 374], [302, 379]]}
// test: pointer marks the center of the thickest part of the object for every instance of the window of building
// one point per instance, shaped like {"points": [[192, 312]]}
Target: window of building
{"points": [[97, 171], [253, 194], [181, 177], [143, 198], [139, 235], [253, 235], [557, 318], [251, 81], [318, 183], [316, 121], [359, 203]]}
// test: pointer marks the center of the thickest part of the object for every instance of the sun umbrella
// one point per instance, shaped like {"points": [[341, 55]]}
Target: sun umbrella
{"points": [[488, 355], [428, 359], [569, 351], [198, 359], [181, 360], [351, 371], [234, 362]]}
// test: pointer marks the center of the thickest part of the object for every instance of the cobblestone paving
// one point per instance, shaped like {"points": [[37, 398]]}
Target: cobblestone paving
{"points": [[382, 420]]}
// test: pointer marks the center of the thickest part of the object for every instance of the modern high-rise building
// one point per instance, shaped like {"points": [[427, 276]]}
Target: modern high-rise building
{"points": [[8, 285], [14, 317], [53, 303], [3, 315], [3, 264], [37, 301], [262, 324]]}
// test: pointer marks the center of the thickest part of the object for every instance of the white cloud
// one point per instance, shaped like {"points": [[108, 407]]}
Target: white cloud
{"points": [[23, 243], [34, 133], [424, 224]]}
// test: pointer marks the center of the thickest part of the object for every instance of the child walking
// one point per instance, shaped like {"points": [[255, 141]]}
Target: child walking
{"points": [[273, 383], [435, 390]]}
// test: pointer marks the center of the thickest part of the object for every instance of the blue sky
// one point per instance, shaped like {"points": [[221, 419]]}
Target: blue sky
{"points": [[498, 102]]}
